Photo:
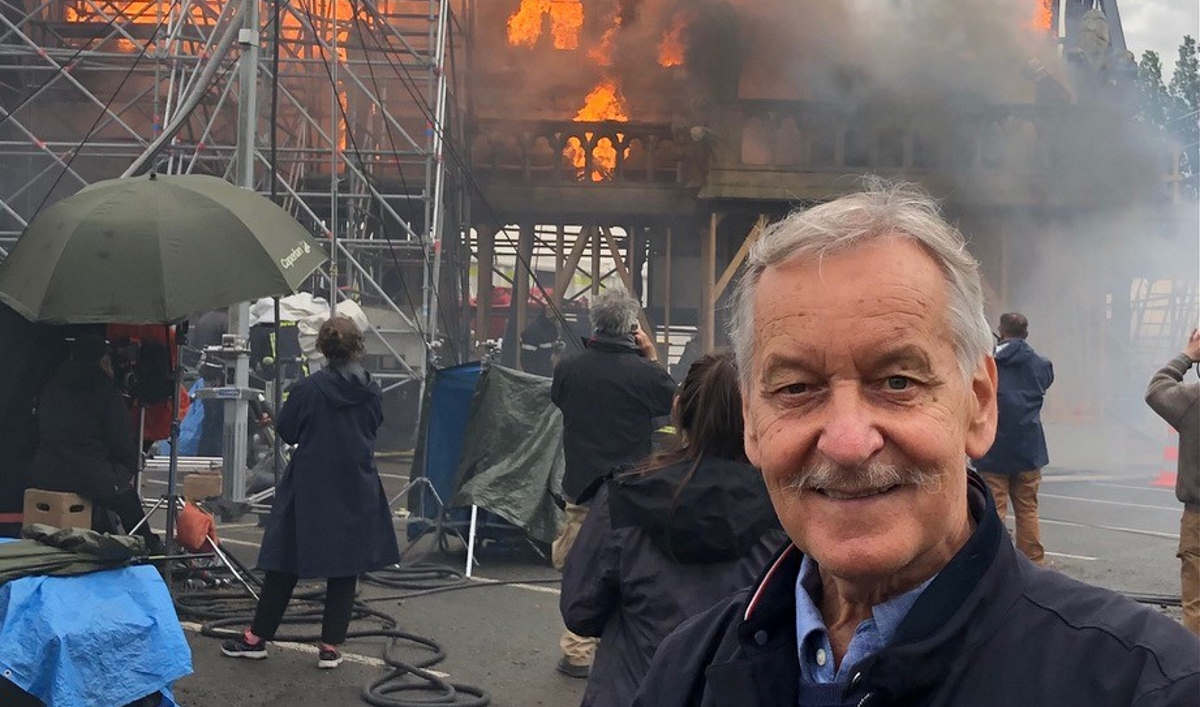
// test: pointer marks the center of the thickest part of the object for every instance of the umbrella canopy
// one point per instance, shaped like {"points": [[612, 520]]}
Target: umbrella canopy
{"points": [[153, 249]]}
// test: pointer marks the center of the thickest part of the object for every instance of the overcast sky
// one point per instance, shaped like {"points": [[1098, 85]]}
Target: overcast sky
{"points": [[1159, 25]]}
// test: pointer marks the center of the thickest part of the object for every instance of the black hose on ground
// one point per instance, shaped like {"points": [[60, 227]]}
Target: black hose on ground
{"points": [[225, 613]]}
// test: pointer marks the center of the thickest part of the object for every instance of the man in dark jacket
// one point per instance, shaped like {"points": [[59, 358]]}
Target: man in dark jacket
{"points": [[610, 395], [1179, 404], [1013, 466], [868, 383], [539, 343], [85, 444]]}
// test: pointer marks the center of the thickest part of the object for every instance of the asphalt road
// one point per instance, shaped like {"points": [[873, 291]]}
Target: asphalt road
{"points": [[1111, 529]]}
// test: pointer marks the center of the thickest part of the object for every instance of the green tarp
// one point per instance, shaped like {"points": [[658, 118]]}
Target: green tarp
{"points": [[62, 552], [512, 459]]}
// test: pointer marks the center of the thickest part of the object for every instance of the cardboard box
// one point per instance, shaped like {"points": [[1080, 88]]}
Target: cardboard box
{"points": [[201, 484], [59, 509]]}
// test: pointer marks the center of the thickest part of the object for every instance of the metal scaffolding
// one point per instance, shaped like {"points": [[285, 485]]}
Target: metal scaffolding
{"points": [[342, 109]]}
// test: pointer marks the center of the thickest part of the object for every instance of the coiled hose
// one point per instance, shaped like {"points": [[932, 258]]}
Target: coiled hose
{"points": [[406, 684]]}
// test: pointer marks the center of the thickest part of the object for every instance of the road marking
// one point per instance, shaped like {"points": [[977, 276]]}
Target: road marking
{"points": [[313, 650], [231, 526], [1138, 488], [530, 587], [1070, 556], [1064, 478], [1115, 528], [232, 541], [1107, 503], [394, 476]]}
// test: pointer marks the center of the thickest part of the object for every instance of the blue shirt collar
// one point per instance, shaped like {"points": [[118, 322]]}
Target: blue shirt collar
{"points": [[812, 638]]}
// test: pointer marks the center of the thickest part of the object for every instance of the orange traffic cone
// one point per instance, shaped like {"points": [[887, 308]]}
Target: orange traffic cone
{"points": [[1170, 460]]}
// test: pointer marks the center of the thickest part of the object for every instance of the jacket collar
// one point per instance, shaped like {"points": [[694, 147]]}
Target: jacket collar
{"points": [[973, 591], [612, 344]]}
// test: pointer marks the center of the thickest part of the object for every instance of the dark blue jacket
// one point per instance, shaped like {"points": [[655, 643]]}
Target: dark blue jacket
{"points": [[1020, 442], [991, 630], [330, 517], [655, 550]]}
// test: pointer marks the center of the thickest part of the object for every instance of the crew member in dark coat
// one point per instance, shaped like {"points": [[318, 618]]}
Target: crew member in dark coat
{"points": [[85, 444], [610, 395], [1013, 465], [670, 537], [539, 344], [330, 517], [867, 385]]}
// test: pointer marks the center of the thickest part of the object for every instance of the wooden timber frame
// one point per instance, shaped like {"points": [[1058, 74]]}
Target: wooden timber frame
{"points": [[596, 255]]}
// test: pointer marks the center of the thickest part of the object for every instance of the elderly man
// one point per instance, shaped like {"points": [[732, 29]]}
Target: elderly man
{"points": [[610, 395], [1179, 404], [867, 384]]}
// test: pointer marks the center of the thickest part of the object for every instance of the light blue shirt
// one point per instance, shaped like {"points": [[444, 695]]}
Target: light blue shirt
{"points": [[812, 638]]}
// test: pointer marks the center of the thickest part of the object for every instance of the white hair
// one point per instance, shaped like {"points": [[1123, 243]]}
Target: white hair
{"points": [[880, 210], [614, 312]]}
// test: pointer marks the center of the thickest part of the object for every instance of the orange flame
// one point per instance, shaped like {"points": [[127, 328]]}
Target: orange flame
{"points": [[605, 102], [670, 48], [602, 54], [604, 157], [566, 19], [1043, 15]]}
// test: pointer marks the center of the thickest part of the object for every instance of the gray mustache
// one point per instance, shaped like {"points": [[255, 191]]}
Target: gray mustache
{"points": [[824, 474]]}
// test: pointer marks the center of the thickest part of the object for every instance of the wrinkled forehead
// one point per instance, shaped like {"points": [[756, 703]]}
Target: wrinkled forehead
{"points": [[883, 294]]}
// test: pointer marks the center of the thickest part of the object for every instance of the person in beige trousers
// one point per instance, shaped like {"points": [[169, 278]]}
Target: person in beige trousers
{"points": [[1179, 404]]}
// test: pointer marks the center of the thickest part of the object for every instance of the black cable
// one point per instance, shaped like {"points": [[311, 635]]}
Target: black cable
{"points": [[427, 112], [62, 68], [366, 176], [224, 612], [104, 111]]}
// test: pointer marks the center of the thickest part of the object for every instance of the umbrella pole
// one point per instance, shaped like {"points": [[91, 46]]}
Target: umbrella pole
{"points": [[277, 393], [173, 466]]}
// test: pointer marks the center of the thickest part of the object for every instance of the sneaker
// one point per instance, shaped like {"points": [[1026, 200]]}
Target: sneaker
{"points": [[328, 658], [239, 648], [572, 670]]}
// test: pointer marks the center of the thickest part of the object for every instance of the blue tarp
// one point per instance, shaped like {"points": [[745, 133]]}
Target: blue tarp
{"points": [[193, 423], [105, 638]]}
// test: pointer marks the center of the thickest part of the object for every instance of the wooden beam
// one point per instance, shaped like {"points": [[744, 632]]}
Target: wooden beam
{"points": [[623, 273], [595, 262], [739, 257], [564, 275], [484, 258], [666, 353], [521, 286], [708, 270]]}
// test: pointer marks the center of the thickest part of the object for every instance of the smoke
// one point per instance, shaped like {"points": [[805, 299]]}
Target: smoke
{"points": [[1032, 148]]}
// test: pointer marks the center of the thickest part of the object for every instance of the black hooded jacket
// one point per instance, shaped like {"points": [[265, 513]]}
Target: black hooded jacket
{"points": [[651, 554], [330, 517], [609, 396], [85, 444], [991, 630]]}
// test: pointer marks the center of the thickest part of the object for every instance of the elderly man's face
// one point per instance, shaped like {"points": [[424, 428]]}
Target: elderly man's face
{"points": [[857, 412]]}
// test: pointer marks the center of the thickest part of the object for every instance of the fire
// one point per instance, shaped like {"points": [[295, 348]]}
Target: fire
{"points": [[566, 19], [1043, 15], [605, 102], [671, 48], [602, 54]]}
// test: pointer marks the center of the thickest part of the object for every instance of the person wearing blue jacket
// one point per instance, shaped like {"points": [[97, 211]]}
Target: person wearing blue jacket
{"points": [[1013, 465]]}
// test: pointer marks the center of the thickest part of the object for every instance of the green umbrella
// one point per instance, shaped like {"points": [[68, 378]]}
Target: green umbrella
{"points": [[152, 249]]}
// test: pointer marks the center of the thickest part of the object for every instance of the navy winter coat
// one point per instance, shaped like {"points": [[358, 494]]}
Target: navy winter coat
{"points": [[655, 551], [991, 630], [330, 517], [1020, 442]]}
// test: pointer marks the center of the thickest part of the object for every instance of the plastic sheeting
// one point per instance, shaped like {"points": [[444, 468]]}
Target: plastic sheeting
{"points": [[106, 638], [512, 454]]}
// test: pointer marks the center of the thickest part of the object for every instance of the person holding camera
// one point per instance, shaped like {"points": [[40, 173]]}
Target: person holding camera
{"points": [[85, 443], [610, 395], [330, 517]]}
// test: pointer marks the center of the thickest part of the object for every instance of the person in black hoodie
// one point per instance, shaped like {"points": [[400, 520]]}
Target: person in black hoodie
{"points": [[670, 537], [85, 444], [330, 517]]}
